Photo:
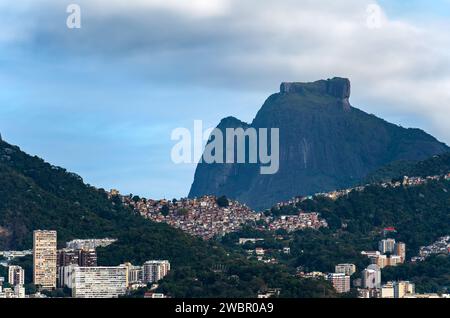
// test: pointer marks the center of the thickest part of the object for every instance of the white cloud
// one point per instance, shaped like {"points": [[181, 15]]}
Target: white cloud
{"points": [[196, 8], [396, 67]]}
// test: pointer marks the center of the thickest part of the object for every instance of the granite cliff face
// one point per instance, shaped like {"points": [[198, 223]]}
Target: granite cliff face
{"points": [[325, 144]]}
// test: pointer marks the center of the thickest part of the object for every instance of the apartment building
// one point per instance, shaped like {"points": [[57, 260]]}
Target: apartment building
{"points": [[44, 259], [154, 271], [16, 276], [98, 282], [340, 281], [347, 269]]}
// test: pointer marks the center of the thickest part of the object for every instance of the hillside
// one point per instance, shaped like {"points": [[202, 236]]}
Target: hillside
{"points": [[420, 214], [436, 165], [36, 195], [325, 144]]}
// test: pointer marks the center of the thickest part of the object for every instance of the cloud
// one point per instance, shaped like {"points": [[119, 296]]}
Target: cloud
{"points": [[197, 8], [399, 67]]}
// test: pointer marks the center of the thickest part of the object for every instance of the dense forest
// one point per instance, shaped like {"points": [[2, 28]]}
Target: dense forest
{"points": [[436, 165], [430, 276], [420, 214], [36, 195]]}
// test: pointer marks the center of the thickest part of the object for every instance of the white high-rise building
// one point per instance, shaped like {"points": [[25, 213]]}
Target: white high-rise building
{"points": [[99, 282], [134, 273], [44, 259], [371, 277], [19, 291], [16, 275], [386, 246], [154, 271], [65, 275]]}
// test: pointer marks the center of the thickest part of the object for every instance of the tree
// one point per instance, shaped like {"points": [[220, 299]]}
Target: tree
{"points": [[165, 210], [30, 289], [223, 202]]}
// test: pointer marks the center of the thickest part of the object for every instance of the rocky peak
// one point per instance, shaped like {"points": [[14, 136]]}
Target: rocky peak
{"points": [[324, 145], [337, 87], [231, 122]]}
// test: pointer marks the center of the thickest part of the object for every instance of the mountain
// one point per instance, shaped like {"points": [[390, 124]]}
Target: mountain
{"points": [[324, 143], [419, 212], [37, 195], [436, 165]]}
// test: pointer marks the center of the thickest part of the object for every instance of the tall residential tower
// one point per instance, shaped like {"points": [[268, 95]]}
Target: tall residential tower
{"points": [[44, 259]]}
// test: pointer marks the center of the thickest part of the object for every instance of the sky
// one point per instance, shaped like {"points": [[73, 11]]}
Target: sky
{"points": [[102, 100]]}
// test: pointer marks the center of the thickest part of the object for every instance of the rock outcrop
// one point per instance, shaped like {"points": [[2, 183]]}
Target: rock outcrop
{"points": [[325, 144]]}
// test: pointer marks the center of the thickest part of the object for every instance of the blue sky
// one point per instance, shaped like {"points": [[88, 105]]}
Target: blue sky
{"points": [[417, 9], [102, 100]]}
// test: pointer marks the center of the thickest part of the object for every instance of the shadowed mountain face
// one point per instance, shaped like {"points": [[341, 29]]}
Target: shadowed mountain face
{"points": [[325, 144]]}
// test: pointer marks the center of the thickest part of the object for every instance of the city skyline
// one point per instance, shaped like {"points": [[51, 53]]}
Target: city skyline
{"points": [[85, 279], [224, 156]]}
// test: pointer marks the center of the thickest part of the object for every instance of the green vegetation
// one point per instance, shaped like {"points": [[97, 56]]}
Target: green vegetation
{"points": [[223, 202], [58, 293], [436, 165], [36, 195], [26, 263], [165, 210], [325, 145], [284, 210], [420, 214], [430, 276], [240, 279], [4, 272]]}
